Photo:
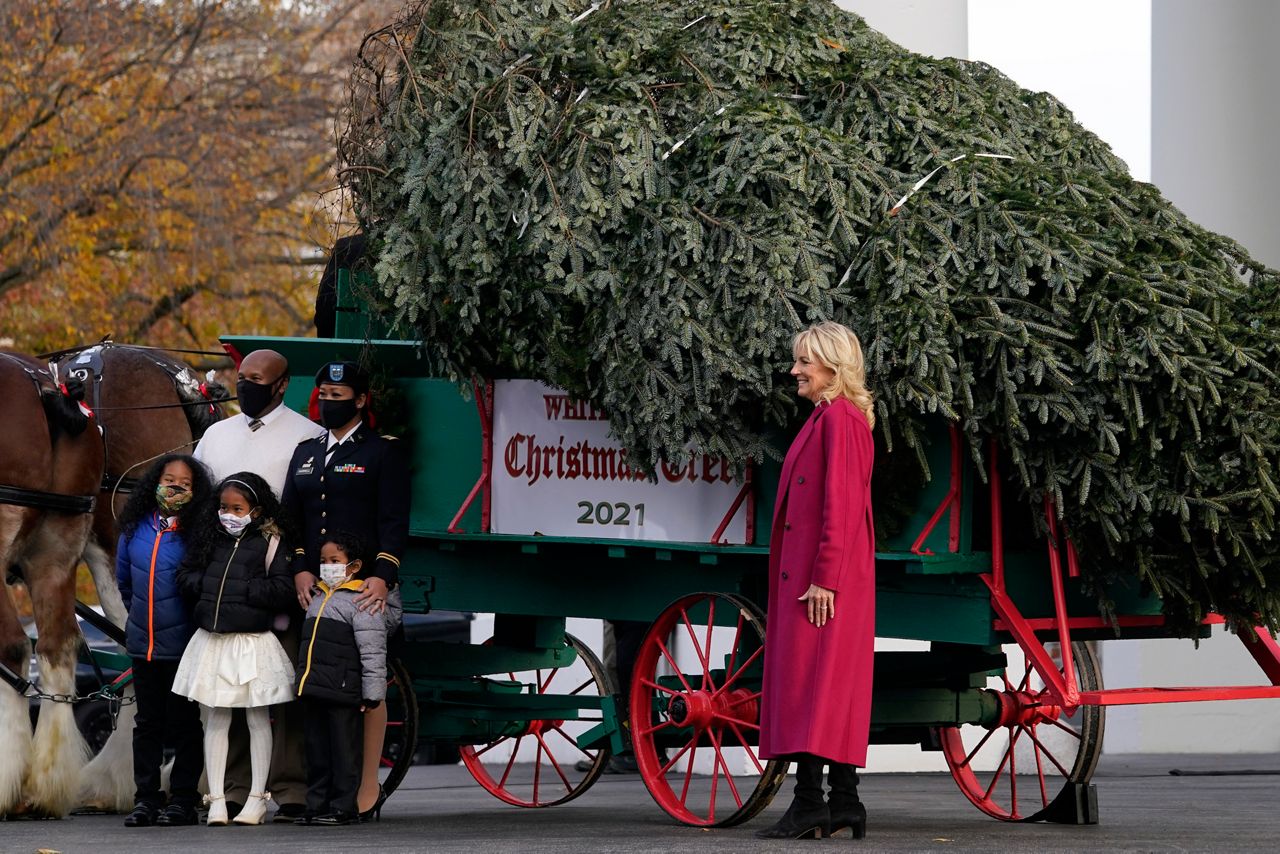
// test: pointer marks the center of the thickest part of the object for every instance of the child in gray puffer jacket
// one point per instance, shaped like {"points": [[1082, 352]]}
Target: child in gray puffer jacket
{"points": [[342, 672]]}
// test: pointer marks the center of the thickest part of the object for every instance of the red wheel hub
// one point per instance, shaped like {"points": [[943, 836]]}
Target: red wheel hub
{"points": [[1024, 708], [692, 709], [541, 727], [702, 709]]}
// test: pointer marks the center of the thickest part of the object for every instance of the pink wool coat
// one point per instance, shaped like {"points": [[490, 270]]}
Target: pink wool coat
{"points": [[817, 681]]}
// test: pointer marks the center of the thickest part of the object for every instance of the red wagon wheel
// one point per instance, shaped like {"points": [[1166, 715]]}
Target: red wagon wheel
{"points": [[1014, 770], [695, 711], [539, 764]]}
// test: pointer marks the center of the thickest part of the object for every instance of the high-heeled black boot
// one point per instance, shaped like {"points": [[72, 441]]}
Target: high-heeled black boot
{"points": [[846, 808], [808, 816]]}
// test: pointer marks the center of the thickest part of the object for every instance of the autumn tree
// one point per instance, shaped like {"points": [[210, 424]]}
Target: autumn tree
{"points": [[163, 165]]}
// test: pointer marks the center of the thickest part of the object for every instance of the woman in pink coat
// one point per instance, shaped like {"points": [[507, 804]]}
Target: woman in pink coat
{"points": [[816, 703]]}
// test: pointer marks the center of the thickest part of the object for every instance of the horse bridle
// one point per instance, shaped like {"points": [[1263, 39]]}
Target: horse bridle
{"points": [[36, 498], [90, 374]]}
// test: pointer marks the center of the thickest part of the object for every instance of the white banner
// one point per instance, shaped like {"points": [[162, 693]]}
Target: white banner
{"points": [[556, 472]]}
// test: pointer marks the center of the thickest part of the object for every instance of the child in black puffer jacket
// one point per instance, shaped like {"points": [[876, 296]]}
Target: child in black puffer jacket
{"points": [[237, 575], [342, 673]]}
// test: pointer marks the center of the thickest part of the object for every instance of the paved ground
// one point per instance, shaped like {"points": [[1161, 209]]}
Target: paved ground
{"points": [[1223, 803]]}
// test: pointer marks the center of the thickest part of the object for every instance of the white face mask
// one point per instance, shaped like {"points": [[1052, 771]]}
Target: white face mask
{"points": [[333, 574], [234, 524]]}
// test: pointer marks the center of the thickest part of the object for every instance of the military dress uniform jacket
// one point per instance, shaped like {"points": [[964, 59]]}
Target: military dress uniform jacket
{"points": [[364, 489]]}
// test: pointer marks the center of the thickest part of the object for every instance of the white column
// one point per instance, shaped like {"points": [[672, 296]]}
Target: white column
{"points": [[933, 27], [1215, 122], [1214, 126]]}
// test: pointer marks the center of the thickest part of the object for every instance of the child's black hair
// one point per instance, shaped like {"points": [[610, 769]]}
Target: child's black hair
{"points": [[142, 500], [259, 495], [348, 542]]}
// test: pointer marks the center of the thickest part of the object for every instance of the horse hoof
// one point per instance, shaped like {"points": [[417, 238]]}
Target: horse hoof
{"points": [[27, 811]]}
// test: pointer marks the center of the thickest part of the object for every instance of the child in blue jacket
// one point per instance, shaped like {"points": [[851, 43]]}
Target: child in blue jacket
{"points": [[153, 529]]}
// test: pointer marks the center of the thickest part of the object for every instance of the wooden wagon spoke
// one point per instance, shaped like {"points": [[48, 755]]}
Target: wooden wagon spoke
{"points": [[575, 744], [1013, 771], [979, 746], [542, 742], [711, 624], [697, 649], [515, 751], [747, 747], [674, 759], [737, 638], [1003, 762], [1039, 744], [490, 746], [721, 764], [729, 719], [759, 652], [1066, 728], [1044, 794], [688, 773], [671, 661], [537, 770], [586, 684]]}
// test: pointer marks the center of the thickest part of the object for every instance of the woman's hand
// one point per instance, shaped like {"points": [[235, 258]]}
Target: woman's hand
{"points": [[304, 583], [822, 604], [372, 596]]}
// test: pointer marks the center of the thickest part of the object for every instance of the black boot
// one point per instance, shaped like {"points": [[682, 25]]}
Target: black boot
{"points": [[808, 816], [144, 815], [846, 809]]}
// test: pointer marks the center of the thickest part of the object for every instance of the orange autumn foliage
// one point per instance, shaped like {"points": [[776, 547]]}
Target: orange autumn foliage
{"points": [[165, 166]]}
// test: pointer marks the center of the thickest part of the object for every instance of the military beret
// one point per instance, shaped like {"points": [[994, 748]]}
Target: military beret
{"points": [[343, 373]]}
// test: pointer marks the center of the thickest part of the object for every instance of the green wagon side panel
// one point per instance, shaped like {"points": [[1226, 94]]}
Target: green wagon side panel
{"points": [[937, 597]]}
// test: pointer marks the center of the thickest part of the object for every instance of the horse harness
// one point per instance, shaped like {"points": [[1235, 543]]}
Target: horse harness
{"points": [[44, 382], [87, 369]]}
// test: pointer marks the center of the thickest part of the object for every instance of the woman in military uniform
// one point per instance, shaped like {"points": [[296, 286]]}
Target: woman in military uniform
{"points": [[352, 479]]}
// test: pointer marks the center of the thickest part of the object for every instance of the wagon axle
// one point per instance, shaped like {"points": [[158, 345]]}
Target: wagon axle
{"points": [[1024, 708], [701, 709]]}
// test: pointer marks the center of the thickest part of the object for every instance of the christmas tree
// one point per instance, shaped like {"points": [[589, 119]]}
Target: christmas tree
{"points": [[642, 202]]}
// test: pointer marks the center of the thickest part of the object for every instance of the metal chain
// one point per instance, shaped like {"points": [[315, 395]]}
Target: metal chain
{"points": [[101, 694]]}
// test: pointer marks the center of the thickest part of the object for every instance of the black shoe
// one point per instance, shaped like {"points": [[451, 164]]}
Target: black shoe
{"points": [[800, 821], [305, 818], [178, 815], [853, 816], [144, 815], [289, 813], [374, 813], [335, 819]]}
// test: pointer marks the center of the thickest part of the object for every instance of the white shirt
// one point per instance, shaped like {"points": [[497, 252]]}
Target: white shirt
{"points": [[230, 446], [335, 442]]}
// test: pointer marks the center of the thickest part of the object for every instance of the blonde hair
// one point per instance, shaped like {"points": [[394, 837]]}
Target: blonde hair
{"points": [[835, 346]]}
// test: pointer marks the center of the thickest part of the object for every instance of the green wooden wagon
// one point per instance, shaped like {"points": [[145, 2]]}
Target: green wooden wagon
{"points": [[537, 716]]}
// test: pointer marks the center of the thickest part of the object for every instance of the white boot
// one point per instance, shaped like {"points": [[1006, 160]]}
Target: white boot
{"points": [[255, 809], [217, 811]]}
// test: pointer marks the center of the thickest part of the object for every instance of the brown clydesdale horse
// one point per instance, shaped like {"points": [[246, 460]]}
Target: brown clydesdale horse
{"points": [[51, 464], [149, 404]]}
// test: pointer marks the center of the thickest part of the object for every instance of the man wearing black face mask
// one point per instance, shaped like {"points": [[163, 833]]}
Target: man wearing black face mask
{"points": [[261, 440], [264, 436], [352, 479]]}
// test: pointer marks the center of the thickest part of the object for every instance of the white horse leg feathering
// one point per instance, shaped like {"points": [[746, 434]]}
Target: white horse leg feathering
{"points": [[107, 781]]}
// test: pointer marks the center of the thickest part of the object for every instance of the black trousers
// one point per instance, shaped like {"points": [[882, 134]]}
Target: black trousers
{"points": [[334, 738], [163, 718]]}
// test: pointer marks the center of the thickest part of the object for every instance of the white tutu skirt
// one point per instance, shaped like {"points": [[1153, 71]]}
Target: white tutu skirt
{"points": [[234, 670]]}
